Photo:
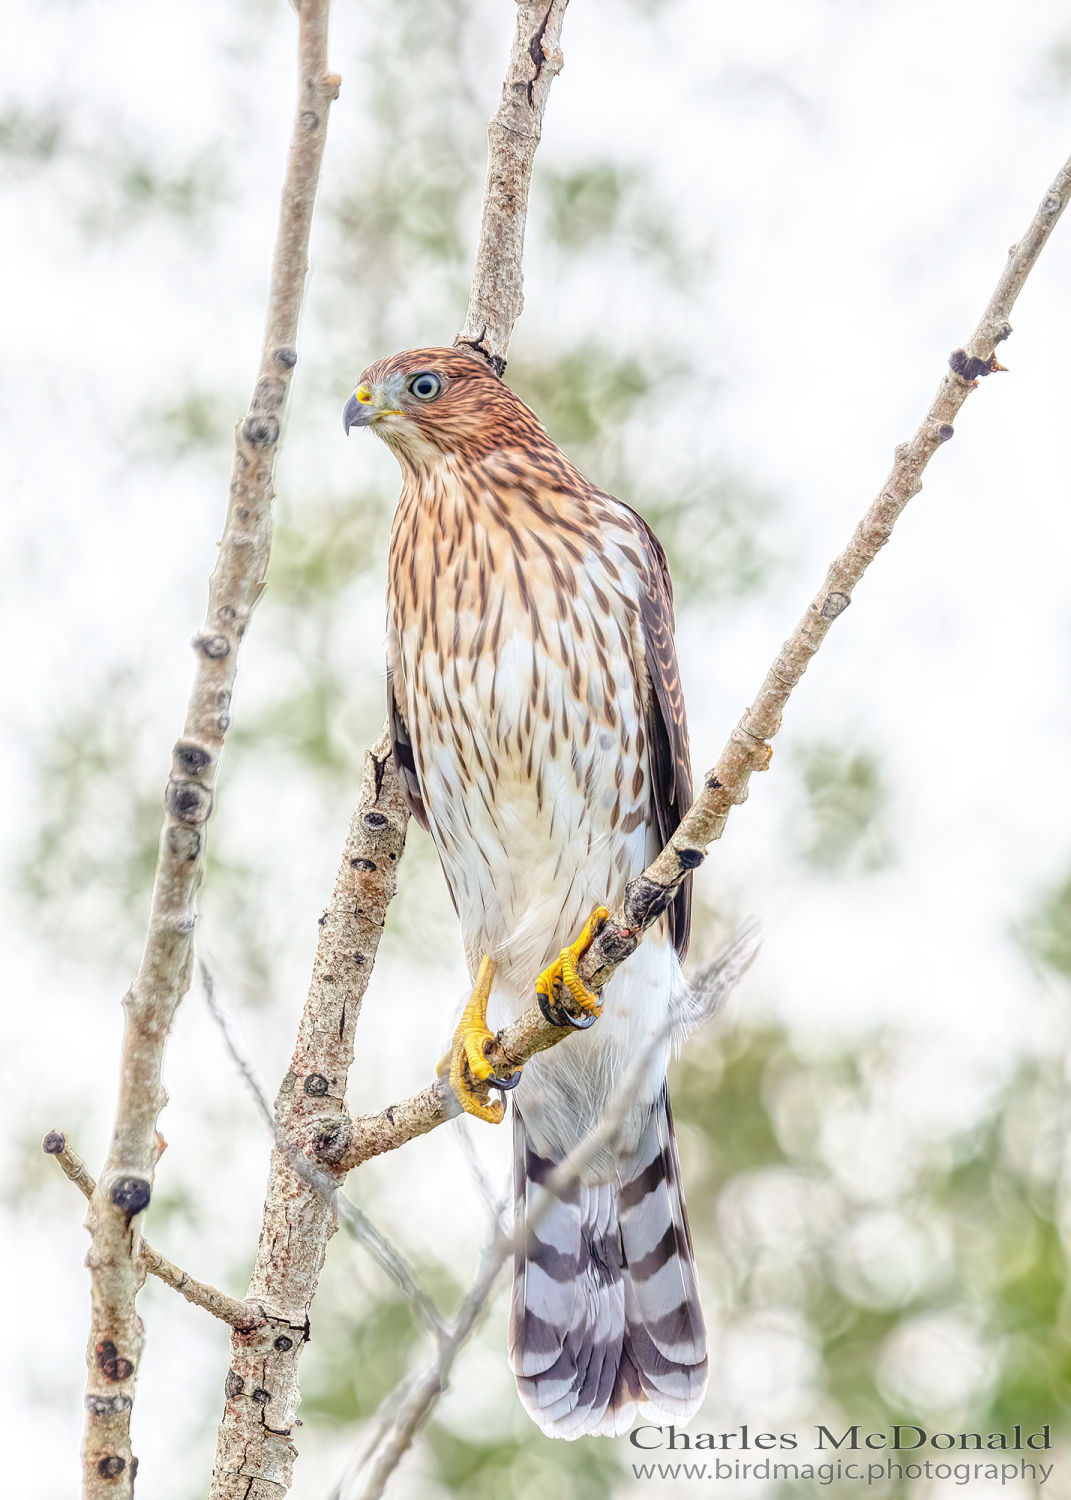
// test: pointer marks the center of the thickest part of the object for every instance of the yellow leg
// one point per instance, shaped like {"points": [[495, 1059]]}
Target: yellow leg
{"points": [[467, 1061], [560, 982]]}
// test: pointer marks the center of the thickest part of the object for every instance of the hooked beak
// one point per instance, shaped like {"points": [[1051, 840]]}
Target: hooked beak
{"points": [[365, 406], [359, 410]]}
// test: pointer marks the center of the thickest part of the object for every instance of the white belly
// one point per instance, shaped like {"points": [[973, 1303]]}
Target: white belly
{"points": [[526, 715]]}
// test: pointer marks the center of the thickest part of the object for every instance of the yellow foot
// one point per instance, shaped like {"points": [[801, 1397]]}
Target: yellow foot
{"points": [[560, 990], [471, 1075]]}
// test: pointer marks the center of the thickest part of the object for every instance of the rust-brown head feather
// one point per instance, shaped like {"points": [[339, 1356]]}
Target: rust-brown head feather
{"points": [[443, 400]]}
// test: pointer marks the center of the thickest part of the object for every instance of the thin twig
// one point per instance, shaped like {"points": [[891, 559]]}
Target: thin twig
{"points": [[245, 1067], [416, 1396], [497, 294], [495, 1202], [389, 1259], [227, 1309], [748, 749], [116, 1336]]}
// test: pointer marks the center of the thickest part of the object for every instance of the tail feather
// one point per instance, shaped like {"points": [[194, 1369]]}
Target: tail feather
{"points": [[606, 1321]]}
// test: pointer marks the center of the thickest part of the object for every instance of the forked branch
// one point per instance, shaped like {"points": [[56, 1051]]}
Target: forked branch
{"points": [[227, 1309]]}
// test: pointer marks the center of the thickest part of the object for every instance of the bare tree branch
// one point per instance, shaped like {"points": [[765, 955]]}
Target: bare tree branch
{"points": [[227, 1309], [254, 1455], [497, 294], [748, 749], [116, 1335]]}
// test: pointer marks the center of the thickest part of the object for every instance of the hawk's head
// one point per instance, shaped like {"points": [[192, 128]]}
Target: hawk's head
{"points": [[430, 402]]}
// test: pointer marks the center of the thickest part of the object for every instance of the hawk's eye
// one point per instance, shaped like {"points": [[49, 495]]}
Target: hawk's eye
{"points": [[425, 386]]}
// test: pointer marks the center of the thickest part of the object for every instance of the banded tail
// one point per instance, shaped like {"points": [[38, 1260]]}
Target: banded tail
{"points": [[606, 1323]]}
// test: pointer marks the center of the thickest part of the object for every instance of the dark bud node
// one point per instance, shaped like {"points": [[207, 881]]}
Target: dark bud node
{"points": [[309, 120], [713, 785], [130, 1195], [363, 864], [285, 358], [945, 431], [358, 958], [967, 367], [645, 900], [234, 1385], [282, 1343], [187, 803], [190, 758], [332, 1144], [691, 859], [110, 1363], [111, 1467], [260, 431], [834, 605], [261, 1396], [376, 821], [316, 1085], [215, 647], [54, 1142]]}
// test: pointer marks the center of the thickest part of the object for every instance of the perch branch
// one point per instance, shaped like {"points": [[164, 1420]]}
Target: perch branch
{"points": [[497, 294], [748, 749], [227, 1309], [116, 1335]]}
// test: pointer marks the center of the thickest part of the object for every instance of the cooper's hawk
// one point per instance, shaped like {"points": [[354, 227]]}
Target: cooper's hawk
{"points": [[540, 734]]}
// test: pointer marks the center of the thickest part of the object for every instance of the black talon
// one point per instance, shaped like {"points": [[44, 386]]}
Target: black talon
{"points": [[551, 1014], [505, 1084], [562, 1018]]}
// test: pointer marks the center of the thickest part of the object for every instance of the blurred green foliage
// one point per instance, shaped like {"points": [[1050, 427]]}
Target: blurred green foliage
{"points": [[366, 1351], [1047, 930], [196, 421], [604, 207], [31, 137], [880, 1275], [798, 1228], [841, 824], [583, 394], [130, 188]]}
